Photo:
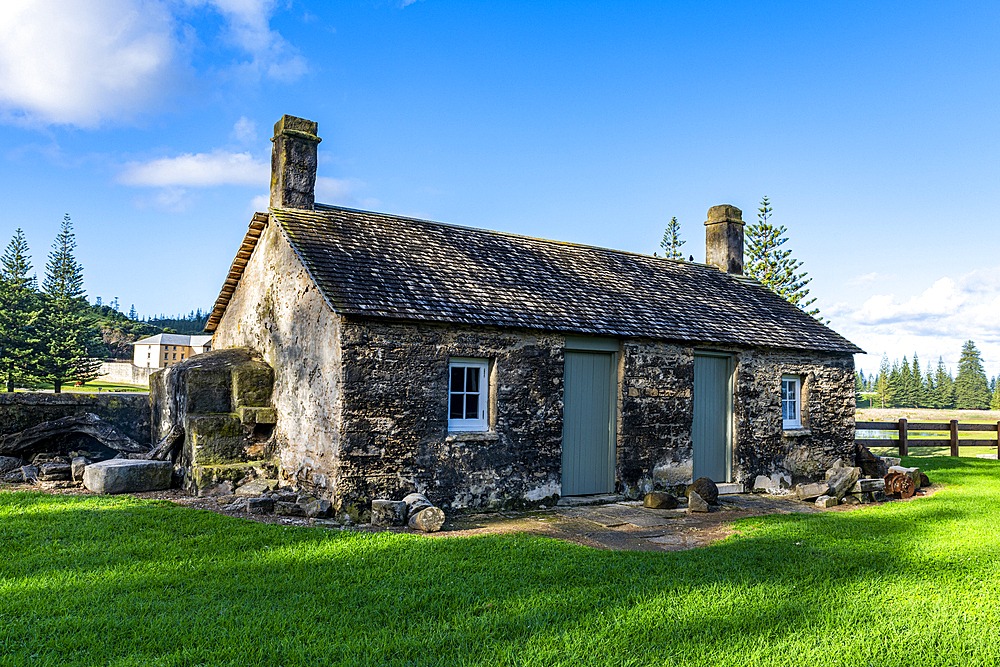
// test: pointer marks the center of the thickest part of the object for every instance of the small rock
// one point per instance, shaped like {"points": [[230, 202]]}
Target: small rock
{"points": [[705, 488], [388, 512], [29, 474], [261, 505], [827, 501], [318, 509], [696, 503], [429, 520], [239, 504], [658, 500], [810, 491], [77, 467], [226, 500]]}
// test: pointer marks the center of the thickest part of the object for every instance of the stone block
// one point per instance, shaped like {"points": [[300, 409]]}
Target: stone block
{"points": [[219, 479], [252, 383], [810, 491], [208, 390], [850, 499], [288, 509], [842, 480], [777, 483], [868, 485], [827, 501], [128, 476], [318, 509], [55, 472], [388, 512], [659, 500], [257, 487], [696, 503], [253, 416], [77, 467], [429, 520], [214, 439], [261, 505]]}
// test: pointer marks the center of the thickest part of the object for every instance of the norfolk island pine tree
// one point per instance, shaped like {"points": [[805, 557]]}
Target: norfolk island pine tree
{"points": [[20, 309]]}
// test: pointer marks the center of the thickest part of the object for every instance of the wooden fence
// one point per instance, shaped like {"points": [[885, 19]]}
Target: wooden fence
{"points": [[952, 428]]}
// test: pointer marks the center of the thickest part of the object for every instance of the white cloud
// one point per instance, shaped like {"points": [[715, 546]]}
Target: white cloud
{"points": [[198, 170], [86, 62], [342, 192], [933, 323], [244, 131]]}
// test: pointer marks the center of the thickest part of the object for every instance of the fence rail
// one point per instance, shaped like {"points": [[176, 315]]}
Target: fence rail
{"points": [[902, 428]]}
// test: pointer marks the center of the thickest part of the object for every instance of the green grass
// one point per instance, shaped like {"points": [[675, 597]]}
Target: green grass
{"points": [[94, 386], [116, 581]]}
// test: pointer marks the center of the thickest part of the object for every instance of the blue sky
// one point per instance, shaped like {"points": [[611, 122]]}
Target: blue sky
{"points": [[871, 126]]}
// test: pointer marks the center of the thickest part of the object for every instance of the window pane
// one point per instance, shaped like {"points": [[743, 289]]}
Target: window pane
{"points": [[456, 406], [457, 379], [472, 381], [472, 406], [784, 390]]}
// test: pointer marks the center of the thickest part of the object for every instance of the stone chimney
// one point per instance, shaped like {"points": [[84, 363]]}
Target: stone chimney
{"points": [[293, 163], [724, 238]]}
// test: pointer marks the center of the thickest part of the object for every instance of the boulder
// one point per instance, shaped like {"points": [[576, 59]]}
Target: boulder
{"points": [[388, 512], [77, 467], [658, 500], [429, 519], [9, 463], [705, 488], [827, 501], [127, 476], [696, 503], [22, 474], [257, 487], [810, 491]]}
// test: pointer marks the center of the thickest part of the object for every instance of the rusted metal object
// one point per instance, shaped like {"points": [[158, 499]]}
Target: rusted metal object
{"points": [[899, 484]]}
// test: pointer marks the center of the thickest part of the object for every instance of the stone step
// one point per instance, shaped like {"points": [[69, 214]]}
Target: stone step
{"points": [[597, 499]]}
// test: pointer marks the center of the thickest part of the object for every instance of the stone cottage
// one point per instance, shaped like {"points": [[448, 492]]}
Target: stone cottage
{"points": [[489, 369]]}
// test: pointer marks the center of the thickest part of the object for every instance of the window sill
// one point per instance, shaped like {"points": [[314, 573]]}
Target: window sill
{"points": [[472, 436], [796, 432]]}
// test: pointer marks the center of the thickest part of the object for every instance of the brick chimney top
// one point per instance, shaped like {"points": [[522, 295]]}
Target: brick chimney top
{"points": [[724, 238], [293, 163]]}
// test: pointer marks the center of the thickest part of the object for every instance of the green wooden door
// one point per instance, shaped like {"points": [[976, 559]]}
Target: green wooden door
{"points": [[711, 430], [587, 452]]}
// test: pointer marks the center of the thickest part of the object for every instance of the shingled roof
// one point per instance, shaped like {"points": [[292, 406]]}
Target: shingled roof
{"points": [[388, 266]]}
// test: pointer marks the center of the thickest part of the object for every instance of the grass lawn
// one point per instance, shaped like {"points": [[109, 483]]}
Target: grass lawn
{"points": [[115, 581], [94, 386]]}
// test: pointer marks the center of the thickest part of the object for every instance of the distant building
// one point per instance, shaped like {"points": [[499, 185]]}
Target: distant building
{"points": [[164, 350]]}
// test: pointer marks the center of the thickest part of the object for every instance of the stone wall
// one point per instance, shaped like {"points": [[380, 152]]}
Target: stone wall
{"points": [[656, 410], [124, 372], [277, 312], [130, 413], [395, 435]]}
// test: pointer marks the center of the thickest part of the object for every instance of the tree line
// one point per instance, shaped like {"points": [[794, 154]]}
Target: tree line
{"points": [[906, 385], [50, 334]]}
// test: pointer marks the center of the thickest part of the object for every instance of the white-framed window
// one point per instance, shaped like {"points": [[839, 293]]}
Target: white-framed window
{"points": [[468, 389], [791, 402]]}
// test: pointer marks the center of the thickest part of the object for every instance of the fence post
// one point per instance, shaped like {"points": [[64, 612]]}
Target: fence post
{"points": [[903, 451], [954, 437], [998, 440]]}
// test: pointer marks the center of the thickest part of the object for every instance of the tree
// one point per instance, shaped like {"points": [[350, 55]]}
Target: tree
{"points": [[69, 336], [882, 383], [919, 389], [995, 398], [672, 242], [971, 387], [944, 386], [773, 266], [20, 309], [904, 396]]}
